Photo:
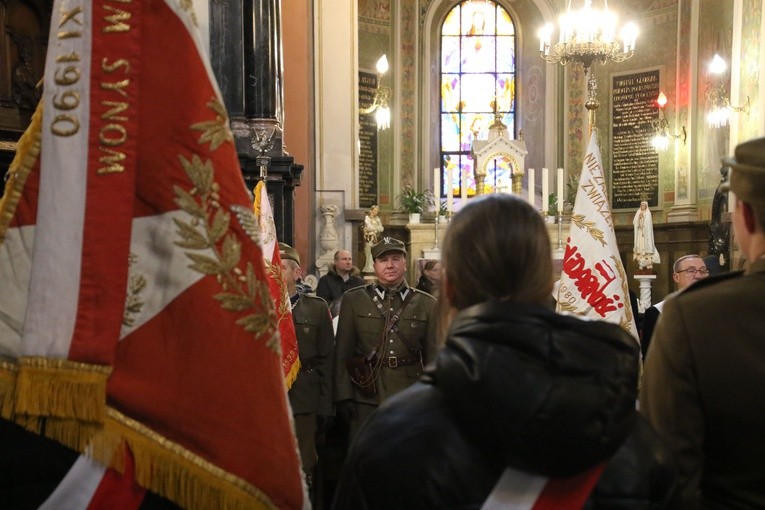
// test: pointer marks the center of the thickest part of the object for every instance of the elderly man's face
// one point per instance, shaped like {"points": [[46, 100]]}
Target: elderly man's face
{"points": [[390, 268], [689, 271]]}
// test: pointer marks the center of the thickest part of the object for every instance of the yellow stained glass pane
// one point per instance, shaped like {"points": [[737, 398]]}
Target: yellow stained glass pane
{"points": [[505, 24], [451, 24]]}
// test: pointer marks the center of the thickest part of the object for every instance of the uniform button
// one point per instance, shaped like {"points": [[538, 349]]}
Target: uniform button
{"points": [[391, 352], [390, 341]]}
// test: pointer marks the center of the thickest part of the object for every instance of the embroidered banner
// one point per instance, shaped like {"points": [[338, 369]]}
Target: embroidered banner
{"points": [[593, 282], [149, 329]]}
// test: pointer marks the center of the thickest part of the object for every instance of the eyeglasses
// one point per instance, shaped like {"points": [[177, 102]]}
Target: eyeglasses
{"points": [[692, 271]]}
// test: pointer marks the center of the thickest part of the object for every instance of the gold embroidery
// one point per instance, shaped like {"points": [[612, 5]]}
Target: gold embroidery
{"points": [[597, 234], [247, 221], [242, 289], [275, 272], [133, 303], [215, 131]]}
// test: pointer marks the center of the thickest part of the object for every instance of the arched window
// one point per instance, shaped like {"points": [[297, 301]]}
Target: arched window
{"points": [[477, 68]]}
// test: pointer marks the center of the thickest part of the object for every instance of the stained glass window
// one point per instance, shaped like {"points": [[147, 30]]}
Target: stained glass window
{"points": [[477, 68]]}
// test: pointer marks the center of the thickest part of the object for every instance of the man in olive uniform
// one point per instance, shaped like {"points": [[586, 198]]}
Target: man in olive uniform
{"points": [[311, 393], [391, 325], [704, 379]]}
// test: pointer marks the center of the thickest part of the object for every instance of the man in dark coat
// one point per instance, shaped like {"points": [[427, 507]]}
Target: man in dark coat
{"points": [[341, 277], [311, 393], [703, 381], [390, 323], [685, 271]]}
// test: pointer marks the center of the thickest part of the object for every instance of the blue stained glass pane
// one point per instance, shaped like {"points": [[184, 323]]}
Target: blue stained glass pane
{"points": [[450, 54], [508, 119], [505, 54], [450, 93], [506, 92], [473, 122], [478, 54], [478, 92], [450, 133], [466, 166]]}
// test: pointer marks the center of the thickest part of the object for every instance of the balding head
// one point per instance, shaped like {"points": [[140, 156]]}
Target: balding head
{"points": [[343, 262]]}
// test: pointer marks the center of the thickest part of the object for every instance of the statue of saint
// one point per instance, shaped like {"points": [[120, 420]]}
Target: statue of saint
{"points": [[373, 227], [645, 250]]}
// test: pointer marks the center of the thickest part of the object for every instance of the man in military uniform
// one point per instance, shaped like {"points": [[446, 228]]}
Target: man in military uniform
{"points": [[704, 379], [392, 326], [311, 392]]}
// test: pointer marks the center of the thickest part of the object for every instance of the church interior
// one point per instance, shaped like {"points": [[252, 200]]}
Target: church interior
{"points": [[667, 101], [399, 112]]}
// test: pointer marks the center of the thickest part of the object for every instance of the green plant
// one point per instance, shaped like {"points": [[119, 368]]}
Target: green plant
{"points": [[552, 204], [412, 201]]}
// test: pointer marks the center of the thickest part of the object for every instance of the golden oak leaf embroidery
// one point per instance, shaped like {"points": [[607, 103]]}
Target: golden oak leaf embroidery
{"points": [[215, 131]]}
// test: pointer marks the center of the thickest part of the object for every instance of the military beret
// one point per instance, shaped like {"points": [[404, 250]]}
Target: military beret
{"points": [[747, 179], [288, 252], [387, 244]]}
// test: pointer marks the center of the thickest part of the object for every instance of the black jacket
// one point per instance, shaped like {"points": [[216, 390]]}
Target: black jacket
{"points": [[331, 286], [516, 385]]}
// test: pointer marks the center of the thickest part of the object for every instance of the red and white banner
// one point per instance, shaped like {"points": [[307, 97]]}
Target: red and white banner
{"points": [[148, 327], [593, 282], [519, 490], [276, 284]]}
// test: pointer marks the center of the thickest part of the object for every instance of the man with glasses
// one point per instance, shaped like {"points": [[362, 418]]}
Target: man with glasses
{"points": [[703, 383], [686, 270]]}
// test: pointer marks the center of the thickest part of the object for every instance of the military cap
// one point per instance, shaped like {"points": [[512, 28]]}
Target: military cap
{"points": [[288, 252], [387, 244], [747, 179]]}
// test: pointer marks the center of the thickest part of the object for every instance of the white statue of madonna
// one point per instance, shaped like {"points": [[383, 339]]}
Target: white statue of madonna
{"points": [[373, 227], [645, 251]]}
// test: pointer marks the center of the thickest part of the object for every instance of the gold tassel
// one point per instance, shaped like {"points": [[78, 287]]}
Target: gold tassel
{"points": [[292, 375], [61, 388], [256, 201], [72, 433], [8, 373], [171, 470], [26, 154]]}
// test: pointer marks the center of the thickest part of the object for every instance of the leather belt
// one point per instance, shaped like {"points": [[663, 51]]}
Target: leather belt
{"points": [[396, 361], [309, 365]]}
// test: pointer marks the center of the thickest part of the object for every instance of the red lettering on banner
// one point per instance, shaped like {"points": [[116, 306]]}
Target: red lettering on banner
{"points": [[590, 286]]}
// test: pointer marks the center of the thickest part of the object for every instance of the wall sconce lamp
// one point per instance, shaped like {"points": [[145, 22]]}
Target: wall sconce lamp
{"points": [[719, 114], [380, 105], [660, 140]]}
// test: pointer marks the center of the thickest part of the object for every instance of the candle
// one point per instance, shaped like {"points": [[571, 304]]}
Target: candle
{"points": [[449, 190], [437, 185], [545, 188], [560, 191], [531, 186], [463, 188]]}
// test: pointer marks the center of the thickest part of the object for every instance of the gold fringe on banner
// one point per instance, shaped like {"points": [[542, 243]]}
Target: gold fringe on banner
{"points": [[74, 434], [26, 154], [8, 374], [171, 470], [293, 373], [61, 388]]}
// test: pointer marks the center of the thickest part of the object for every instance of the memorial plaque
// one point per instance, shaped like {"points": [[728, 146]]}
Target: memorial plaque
{"points": [[635, 163], [367, 141]]}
